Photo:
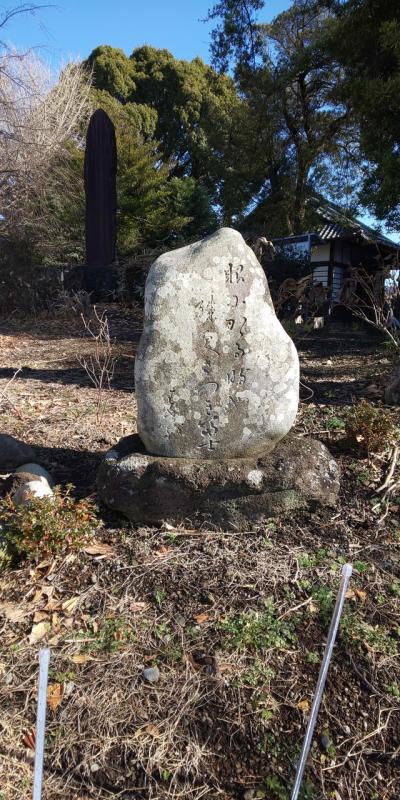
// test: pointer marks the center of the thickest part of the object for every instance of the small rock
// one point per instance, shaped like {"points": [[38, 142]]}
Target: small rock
{"points": [[13, 453], [69, 687], [324, 742], [151, 674], [249, 794], [38, 470], [28, 490], [347, 730]]}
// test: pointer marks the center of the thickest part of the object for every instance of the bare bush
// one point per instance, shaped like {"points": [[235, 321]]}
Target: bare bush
{"points": [[71, 302], [99, 365], [371, 297], [40, 119]]}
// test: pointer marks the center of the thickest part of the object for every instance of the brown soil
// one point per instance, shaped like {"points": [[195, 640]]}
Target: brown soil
{"points": [[236, 623]]}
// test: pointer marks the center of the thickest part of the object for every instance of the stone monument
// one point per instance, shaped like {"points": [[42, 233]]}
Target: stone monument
{"points": [[100, 170], [217, 389]]}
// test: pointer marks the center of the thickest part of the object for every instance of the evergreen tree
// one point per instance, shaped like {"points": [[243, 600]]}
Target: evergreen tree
{"points": [[365, 40]]}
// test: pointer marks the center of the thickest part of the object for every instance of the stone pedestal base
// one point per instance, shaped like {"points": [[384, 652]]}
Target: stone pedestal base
{"points": [[235, 494]]}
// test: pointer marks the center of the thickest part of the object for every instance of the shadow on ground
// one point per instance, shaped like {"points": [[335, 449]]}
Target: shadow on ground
{"points": [[123, 378]]}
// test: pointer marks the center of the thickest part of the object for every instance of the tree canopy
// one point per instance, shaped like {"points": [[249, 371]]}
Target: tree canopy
{"points": [[304, 104]]}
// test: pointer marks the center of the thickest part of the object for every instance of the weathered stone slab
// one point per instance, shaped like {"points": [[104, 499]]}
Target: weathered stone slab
{"points": [[216, 375], [232, 494]]}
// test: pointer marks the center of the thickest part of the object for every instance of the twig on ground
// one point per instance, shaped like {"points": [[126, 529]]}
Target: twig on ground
{"points": [[392, 467], [3, 392]]}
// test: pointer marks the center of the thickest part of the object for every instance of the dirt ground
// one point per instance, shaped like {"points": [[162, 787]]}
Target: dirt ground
{"points": [[235, 623]]}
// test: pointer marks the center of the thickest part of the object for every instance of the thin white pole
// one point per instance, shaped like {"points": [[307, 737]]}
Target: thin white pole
{"points": [[347, 570], [44, 659]]}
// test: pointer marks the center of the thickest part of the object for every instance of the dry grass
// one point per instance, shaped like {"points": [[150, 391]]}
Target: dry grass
{"points": [[223, 717], [236, 623]]}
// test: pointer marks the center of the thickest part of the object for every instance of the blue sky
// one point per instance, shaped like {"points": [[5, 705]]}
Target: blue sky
{"points": [[72, 28]]}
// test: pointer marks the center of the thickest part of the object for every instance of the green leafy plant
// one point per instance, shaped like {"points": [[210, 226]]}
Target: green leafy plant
{"points": [[324, 599], [335, 424], [312, 657], [258, 630], [110, 635], [274, 785], [48, 525], [368, 428], [373, 637]]}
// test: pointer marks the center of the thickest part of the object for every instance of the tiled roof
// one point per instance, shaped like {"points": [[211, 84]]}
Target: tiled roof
{"points": [[339, 225]]}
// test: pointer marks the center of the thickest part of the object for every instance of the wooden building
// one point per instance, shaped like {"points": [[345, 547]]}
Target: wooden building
{"points": [[337, 248]]}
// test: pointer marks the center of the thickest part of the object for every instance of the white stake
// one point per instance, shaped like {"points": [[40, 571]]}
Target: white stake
{"points": [[44, 659], [347, 569]]}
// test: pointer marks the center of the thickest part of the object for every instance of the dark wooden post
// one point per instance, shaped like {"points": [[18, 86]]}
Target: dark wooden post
{"points": [[100, 172]]}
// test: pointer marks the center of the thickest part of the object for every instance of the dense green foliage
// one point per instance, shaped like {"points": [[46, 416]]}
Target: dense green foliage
{"points": [[365, 40], [324, 79], [304, 104]]}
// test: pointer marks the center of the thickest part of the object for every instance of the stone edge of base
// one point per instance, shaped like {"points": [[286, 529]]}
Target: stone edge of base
{"points": [[299, 473]]}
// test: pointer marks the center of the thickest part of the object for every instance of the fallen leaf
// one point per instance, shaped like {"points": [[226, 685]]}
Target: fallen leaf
{"points": [[361, 595], [55, 693], [163, 551], [98, 549], [52, 605], [138, 605], [38, 632], [54, 641], [224, 666], [312, 608], [168, 527], [29, 739], [304, 706], [69, 605], [46, 567], [13, 613], [39, 616], [191, 661], [55, 621], [81, 658], [152, 730], [201, 618]]}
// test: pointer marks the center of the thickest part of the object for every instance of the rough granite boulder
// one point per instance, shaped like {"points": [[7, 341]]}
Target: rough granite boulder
{"points": [[216, 375], [229, 494], [13, 453]]}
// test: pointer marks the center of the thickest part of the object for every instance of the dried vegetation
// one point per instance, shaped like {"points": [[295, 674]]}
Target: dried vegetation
{"points": [[235, 623]]}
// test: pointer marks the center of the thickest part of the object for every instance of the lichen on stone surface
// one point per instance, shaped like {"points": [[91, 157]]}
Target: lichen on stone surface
{"points": [[216, 375]]}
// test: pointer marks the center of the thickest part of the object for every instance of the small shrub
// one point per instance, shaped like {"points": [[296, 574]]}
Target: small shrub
{"points": [[48, 525], [369, 429]]}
